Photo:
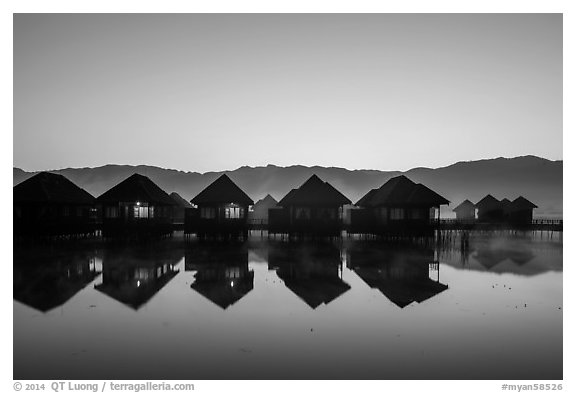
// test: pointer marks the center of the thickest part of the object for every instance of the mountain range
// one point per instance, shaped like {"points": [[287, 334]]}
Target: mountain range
{"points": [[537, 179]]}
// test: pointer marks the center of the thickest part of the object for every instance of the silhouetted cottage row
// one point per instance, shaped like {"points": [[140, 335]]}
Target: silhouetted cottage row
{"points": [[491, 210], [50, 204]]}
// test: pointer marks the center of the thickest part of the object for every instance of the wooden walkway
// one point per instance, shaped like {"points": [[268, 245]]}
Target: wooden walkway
{"points": [[453, 224], [536, 225]]}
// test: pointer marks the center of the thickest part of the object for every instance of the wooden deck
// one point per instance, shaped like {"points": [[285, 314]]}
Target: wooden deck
{"points": [[261, 227], [538, 224]]}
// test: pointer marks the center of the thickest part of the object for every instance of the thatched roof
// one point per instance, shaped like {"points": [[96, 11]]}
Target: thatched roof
{"points": [[522, 203], [365, 200], [137, 188], [314, 192], [180, 201], [466, 205], [489, 202], [506, 205], [401, 191], [268, 200], [51, 188], [222, 190], [423, 196]]}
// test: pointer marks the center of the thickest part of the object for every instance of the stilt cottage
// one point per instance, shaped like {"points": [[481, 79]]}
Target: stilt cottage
{"points": [[315, 208], [135, 207], [490, 209], [466, 211], [398, 205], [259, 214], [521, 211], [222, 210], [48, 204]]}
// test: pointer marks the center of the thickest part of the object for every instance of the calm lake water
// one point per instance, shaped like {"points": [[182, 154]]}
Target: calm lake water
{"points": [[276, 310]]}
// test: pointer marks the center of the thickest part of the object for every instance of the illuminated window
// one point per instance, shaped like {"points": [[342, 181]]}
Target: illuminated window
{"points": [[232, 272], [142, 274], [140, 211], [234, 212]]}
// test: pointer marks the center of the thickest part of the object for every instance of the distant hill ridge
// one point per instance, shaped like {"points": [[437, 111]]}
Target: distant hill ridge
{"points": [[538, 179]]}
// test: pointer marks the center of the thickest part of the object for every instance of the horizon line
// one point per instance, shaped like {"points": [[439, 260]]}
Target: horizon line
{"points": [[288, 166]]}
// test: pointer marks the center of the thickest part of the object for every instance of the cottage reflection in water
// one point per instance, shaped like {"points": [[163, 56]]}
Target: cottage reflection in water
{"points": [[489, 257], [48, 281], [403, 275], [133, 277], [312, 271], [222, 275]]}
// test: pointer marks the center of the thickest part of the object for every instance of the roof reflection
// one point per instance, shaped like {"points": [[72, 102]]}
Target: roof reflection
{"points": [[312, 272], [51, 280], [403, 275], [134, 276], [222, 275]]}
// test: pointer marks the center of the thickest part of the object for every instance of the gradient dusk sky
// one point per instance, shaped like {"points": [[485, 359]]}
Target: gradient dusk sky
{"points": [[210, 92]]}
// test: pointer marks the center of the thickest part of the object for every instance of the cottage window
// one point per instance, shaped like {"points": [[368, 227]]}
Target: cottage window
{"points": [[397, 214], [234, 212], [302, 213], [111, 212], [384, 213], [232, 272], [151, 211], [207, 212], [66, 211], [142, 274], [140, 211]]}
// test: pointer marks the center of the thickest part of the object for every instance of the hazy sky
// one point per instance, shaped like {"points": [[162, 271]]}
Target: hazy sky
{"points": [[214, 92]]}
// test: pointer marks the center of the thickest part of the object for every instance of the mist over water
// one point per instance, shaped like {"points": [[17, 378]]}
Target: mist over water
{"points": [[268, 309]]}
